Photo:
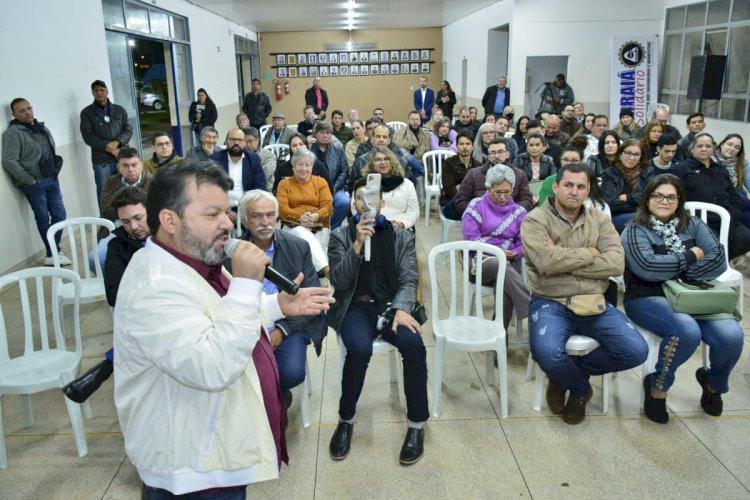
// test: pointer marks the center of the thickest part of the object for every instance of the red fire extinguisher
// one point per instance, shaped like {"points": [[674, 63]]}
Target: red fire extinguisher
{"points": [[287, 87], [277, 86]]}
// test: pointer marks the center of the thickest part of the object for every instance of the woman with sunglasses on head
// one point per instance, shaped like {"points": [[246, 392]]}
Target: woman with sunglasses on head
{"points": [[663, 242], [623, 182], [708, 181]]}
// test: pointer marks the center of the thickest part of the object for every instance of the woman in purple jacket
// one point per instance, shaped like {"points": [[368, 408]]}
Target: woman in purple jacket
{"points": [[496, 219]]}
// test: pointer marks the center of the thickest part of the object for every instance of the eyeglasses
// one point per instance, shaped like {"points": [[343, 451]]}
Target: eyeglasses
{"points": [[670, 198], [499, 194], [382, 160], [496, 152], [235, 140], [631, 154]]}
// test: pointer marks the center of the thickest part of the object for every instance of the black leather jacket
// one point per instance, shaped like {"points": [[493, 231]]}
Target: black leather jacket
{"points": [[97, 132]]}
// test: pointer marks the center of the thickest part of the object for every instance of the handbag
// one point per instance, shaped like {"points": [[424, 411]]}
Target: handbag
{"points": [[701, 298]]}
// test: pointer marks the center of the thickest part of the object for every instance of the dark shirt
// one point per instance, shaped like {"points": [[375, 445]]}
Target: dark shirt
{"points": [[263, 357]]}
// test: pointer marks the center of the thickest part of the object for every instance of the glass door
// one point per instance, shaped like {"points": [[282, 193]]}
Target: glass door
{"points": [[122, 87]]}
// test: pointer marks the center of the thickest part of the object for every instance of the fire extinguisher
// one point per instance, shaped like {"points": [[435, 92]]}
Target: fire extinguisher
{"points": [[287, 87], [277, 86]]}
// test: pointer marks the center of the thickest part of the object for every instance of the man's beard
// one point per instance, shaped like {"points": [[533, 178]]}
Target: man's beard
{"points": [[204, 252], [236, 150]]}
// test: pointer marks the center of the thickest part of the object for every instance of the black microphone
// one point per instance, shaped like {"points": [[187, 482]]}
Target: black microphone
{"points": [[282, 282]]}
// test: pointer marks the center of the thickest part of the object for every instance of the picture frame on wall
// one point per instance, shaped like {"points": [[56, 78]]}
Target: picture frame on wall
{"points": [[323, 58], [323, 71], [363, 57], [404, 55], [344, 57], [385, 69], [281, 72], [354, 70], [291, 59], [374, 69], [373, 56], [333, 71], [313, 71], [280, 60], [414, 68], [404, 68], [364, 70], [292, 72], [312, 58], [383, 56], [414, 55], [302, 59], [353, 57], [302, 71], [344, 70], [394, 55], [425, 67], [424, 55], [333, 58], [394, 69]]}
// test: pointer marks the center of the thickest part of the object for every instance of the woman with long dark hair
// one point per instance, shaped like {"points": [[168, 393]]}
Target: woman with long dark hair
{"points": [[446, 99], [651, 135], [663, 242], [520, 134], [609, 141], [623, 183], [202, 113]]}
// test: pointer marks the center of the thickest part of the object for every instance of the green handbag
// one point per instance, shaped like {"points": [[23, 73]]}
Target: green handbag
{"points": [[705, 299]]}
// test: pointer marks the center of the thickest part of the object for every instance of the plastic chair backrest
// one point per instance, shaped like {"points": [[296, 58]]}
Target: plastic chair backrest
{"points": [[280, 151], [463, 248], [396, 125], [234, 201], [435, 159], [39, 278], [86, 228], [701, 210], [263, 131]]}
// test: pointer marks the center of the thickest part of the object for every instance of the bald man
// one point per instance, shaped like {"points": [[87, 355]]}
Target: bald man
{"points": [[552, 132]]}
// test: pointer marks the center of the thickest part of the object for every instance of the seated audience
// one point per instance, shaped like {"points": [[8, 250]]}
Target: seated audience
{"points": [[519, 136], [203, 151], [332, 156], [268, 159], [534, 163], [243, 167], [553, 133], [568, 122], [464, 121], [570, 252], [495, 219], [305, 207], [660, 115], [381, 136], [365, 146], [453, 172], [359, 137], [242, 121], [339, 129], [400, 203], [731, 154], [550, 149], [599, 125], [296, 142], [485, 135], [278, 133], [502, 124], [385, 287], [627, 126], [164, 153], [443, 137], [305, 127], [666, 149], [650, 139], [609, 141], [623, 183], [413, 141], [664, 242]]}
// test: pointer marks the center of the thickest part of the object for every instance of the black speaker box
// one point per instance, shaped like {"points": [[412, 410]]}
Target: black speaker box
{"points": [[706, 77]]}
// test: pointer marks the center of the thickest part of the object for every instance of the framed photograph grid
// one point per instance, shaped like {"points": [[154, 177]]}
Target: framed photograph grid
{"points": [[352, 63]]}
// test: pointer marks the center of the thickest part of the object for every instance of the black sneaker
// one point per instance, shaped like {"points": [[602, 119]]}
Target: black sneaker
{"points": [[655, 409], [710, 401]]}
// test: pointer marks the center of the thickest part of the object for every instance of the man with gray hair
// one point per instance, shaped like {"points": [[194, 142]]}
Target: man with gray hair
{"points": [[278, 133], [661, 115], [207, 147], [268, 160], [332, 155], [289, 255]]}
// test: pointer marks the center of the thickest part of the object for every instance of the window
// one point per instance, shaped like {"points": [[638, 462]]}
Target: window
{"points": [[139, 18], [716, 27]]}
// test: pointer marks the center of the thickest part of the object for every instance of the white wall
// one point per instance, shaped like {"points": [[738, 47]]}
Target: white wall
{"points": [[550, 28], [52, 51]]}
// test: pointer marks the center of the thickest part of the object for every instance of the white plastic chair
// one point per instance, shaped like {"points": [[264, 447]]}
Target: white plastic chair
{"points": [[577, 345], [41, 366], [293, 127], [464, 330], [446, 229], [378, 346], [81, 233], [280, 151], [433, 183], [396, 125], [262, 131]]}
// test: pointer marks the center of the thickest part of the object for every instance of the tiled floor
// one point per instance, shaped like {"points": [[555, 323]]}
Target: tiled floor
{"points": [[470, 452]]}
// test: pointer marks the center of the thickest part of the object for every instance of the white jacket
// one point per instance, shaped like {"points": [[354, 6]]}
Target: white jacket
{"points": [[187, 393], [401, 204]]}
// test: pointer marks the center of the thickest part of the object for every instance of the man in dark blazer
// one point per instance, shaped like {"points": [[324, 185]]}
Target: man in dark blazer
{"points": [[424, 100], [253, 176], [316, 97], [492, 102], [290, 255]]}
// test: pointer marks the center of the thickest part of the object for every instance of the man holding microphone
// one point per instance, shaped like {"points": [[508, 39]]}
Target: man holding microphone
{"points": [[196, 383]]}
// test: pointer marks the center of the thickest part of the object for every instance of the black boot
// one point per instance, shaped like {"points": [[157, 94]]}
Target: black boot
{"points": [[84, 386]]}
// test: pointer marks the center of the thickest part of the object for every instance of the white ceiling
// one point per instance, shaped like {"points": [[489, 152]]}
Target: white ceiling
{"points": [[323, 15]]}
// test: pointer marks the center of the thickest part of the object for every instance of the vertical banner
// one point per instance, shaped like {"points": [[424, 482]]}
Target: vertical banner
{"points": [[635, 76]]}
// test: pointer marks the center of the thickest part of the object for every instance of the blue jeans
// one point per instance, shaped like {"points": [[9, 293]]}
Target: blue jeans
{"points": [[681, 335], [102, 172], [291, 356], [416, 169], [101, 252], [149, 493], [621, 220], [550, 326], [341, 208], [357, 331], [46, 202]]}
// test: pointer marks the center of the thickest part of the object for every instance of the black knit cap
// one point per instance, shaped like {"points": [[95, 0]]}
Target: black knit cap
{"points": [[626, 112]]}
